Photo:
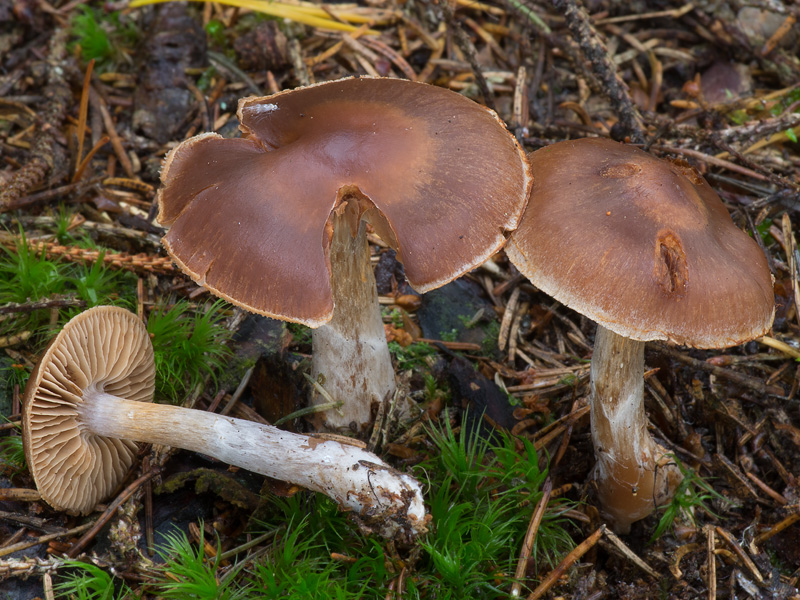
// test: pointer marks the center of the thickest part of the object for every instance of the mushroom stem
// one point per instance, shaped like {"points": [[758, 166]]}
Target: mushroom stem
{"points": [[384, 498], [350, 355], [633, 473]]}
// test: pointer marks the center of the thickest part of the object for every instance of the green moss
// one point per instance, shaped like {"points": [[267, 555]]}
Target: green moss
{"points": [[189, 345]]}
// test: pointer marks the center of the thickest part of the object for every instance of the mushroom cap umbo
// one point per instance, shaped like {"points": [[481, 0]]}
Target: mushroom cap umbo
{"points": [[437, 175], [641, 246], [102, 350]]}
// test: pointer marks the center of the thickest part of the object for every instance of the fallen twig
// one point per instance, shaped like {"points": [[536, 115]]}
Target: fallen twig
{"points": [[604, 68], [530, 536], [752, 383], [565, 564], [623, 549], [109, 512], [6, 550]]}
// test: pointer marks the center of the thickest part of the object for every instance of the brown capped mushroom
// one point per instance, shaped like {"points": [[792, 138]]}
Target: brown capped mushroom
{"points": [[89, 399], [645, 248], [275, 221]]}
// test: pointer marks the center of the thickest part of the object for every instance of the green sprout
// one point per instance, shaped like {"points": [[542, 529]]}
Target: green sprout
{"points": [[12, 454], [190, 575], [478, 524], [97, 284], [449, 336], [301, 334], [189, 346], [86, 581], [62, 221], [763, 231], [692, 493], [26, 275], [101, 37], [411, 356], [491, 332]]}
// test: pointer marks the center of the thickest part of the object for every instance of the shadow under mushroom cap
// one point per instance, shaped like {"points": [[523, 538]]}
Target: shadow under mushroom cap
{"points": [[442, 178]]}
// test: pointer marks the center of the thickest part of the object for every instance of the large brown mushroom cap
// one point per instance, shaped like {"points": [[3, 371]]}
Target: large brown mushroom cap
{"points": [[104, 349], [642, 246], [436, 174]]}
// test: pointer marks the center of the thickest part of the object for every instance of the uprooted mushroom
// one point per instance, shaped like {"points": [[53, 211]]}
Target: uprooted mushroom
{"points": [[646, 249], [89, 400], [275, 221]]}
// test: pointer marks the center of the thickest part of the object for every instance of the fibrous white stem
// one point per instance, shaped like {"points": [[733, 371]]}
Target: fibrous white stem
{"points": [[633, 474], [385, 499], [350, 355]]}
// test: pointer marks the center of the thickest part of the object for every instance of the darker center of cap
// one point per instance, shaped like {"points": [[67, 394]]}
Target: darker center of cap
{"points": [[348, 153], [366, 145], [666, 197]]}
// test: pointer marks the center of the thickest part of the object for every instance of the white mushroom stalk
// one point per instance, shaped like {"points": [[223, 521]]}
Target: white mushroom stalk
{"points": [[384, 498], [89, 400], [634, 475], [350, 357]]}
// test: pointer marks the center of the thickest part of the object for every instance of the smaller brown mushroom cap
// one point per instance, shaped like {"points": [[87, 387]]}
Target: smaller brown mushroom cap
{"points": [[641, 246], [103, 350], [437, 175]]}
